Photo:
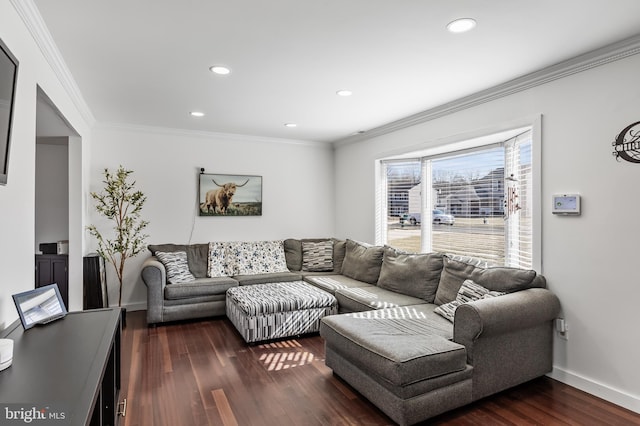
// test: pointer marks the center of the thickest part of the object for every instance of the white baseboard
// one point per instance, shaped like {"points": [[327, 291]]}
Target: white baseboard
{"points": [[615, 396]]}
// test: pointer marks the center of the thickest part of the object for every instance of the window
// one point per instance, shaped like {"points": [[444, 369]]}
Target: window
{"points": [[475, 202]]}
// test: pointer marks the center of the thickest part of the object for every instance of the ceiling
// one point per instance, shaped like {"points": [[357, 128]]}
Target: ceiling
{"points": [[146, 62]]}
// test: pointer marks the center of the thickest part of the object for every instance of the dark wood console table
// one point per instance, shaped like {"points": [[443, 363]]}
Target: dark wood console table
{"points": [[69, 368]]}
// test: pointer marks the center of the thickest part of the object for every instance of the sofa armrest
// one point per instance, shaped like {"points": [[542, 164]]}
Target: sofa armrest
{"points": [[154, 276], [511, 312]]}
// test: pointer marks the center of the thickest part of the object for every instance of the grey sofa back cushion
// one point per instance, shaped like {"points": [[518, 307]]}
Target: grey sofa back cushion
{"points": [[293, 254], [197, 255], [362, 262], [496, 278], [416, 275]]}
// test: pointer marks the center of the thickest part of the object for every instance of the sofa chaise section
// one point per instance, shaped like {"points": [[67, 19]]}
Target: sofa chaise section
{"points": [[503, 328]]}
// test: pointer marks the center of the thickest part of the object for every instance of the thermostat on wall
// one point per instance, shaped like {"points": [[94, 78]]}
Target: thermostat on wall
{"points": [[568, 204]]}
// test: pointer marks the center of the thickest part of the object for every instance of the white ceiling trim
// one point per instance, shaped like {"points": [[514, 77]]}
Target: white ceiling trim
{"points": [[596, 58], [40, 33], [208, 135]]}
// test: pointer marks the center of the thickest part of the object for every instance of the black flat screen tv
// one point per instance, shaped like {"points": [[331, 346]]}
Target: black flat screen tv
{"points": [[8, 78]]}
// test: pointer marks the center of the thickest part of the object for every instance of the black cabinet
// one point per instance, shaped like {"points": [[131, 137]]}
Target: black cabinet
{"points": [[54, 268], [71, 366]]}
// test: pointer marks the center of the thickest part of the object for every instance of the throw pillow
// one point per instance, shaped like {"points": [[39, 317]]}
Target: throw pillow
{"points": [[317, 256], [413, 274], [218, 264], [362, 262], [176, 265], [469, 292], [257, 257], [197, 255]]}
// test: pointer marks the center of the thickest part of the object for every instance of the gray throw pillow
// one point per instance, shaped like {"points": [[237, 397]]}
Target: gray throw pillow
{"points": [[176, 266], [317, 256], [362, 262], [413, 274]]}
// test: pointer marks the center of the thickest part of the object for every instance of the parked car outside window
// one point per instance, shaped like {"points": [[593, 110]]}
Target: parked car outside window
{"points": [[437, 217]]}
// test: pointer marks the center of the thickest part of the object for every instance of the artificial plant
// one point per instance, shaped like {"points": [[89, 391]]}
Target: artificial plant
{"points": [[121, 203]]}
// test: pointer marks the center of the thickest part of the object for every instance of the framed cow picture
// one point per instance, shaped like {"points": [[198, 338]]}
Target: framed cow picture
{"points": [[229, 195]]}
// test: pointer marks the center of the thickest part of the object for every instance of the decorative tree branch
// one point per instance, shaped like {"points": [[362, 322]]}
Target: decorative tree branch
{"points": [[121, 203]]}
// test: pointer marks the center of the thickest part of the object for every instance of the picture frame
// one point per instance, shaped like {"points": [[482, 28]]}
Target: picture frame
{"points": [[229, 195], [39, 306]]}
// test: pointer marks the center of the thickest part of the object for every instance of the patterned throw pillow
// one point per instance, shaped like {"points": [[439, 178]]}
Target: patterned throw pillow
{"points": [[317, 256], [176, 265], [469, 292], [257, 257], [218, 264]]}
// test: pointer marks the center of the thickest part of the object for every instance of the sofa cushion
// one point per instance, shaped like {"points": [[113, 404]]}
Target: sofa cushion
{"points": [[293, 254], [331, 283], [317, 256], [395, 345], [197, 255], [339, 251], [455, 272], [504, 279], [218, 265], [372, 297], [469, 292], [257, 257], [416, 275], [362, 261], [175, 263], [199, 287]]}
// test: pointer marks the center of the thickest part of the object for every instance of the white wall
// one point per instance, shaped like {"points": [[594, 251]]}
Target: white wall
{"points": [[17, 198], [590, 261], [52, 192], [297, 188]]}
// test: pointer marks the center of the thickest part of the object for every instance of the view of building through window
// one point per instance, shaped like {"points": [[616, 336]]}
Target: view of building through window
{"points": [[473, 203]]}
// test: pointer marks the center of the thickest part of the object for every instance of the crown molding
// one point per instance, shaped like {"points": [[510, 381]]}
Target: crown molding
{"points": [[28, 11], [611, 53], [168, 131]]}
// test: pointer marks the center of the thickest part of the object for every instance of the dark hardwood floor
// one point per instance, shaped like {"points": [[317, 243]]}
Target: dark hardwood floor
{"points": [[203, 373]]}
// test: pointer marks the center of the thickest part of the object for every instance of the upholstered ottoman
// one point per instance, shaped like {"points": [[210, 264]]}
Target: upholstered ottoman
{"points": [[275, 310]]}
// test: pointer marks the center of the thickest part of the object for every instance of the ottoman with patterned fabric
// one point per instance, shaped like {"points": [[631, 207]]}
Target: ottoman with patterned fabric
{"points": [[275, 310]]}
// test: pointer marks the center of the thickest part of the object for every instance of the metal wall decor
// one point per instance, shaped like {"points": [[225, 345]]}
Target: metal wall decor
{"points": [[627, 144]]}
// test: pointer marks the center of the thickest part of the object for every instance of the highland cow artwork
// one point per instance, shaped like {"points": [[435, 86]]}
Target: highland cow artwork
{"points": [[229, 195]]}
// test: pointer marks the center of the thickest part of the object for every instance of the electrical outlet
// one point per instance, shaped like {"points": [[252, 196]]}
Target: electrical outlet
{"points": [[562, 328]]}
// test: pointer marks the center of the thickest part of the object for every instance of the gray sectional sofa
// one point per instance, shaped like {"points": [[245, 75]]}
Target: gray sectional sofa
{"points": [[416, 334]]}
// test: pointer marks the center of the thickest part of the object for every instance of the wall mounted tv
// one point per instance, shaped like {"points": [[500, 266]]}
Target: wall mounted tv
{"points": [[8, 77]]}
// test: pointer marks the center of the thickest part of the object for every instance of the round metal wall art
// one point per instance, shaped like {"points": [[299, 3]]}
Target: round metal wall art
{"points": [[627, 144]]}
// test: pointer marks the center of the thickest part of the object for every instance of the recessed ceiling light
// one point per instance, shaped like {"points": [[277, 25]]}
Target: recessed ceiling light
{"points": [[197, 113], [219, 69], [461, 25], [344, 93], [290, 125]]}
